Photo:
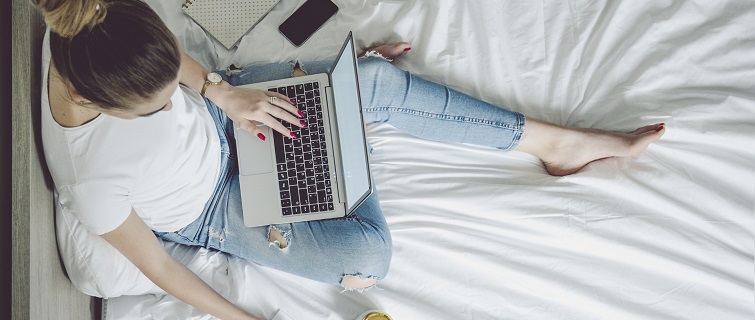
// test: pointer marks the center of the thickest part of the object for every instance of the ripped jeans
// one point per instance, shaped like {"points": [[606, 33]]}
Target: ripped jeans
{"points": [[360, 243]]}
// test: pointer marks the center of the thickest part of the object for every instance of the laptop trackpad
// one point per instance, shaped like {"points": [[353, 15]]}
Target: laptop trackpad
{"points": [[255, 155]]}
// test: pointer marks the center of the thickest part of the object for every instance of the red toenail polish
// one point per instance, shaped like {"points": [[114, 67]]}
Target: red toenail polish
{"points": [[261, 136], [303, 124], [407, 49], [293, 135]]}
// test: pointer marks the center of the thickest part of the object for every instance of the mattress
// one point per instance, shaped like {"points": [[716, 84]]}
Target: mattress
{"points": [[484, 234]]}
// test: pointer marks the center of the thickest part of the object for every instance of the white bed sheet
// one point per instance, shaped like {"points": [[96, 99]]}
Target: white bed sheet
{"points": [[482, 234]]}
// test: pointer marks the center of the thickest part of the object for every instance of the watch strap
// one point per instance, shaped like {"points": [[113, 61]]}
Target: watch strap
{"points": [[204, 87], [211, 78]]}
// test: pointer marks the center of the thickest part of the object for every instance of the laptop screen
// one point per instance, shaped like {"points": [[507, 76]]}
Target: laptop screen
{"points": [[356, 176]]}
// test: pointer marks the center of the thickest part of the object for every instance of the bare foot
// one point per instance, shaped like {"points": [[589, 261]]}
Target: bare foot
{"points": [[566, 150], [390, 51]]}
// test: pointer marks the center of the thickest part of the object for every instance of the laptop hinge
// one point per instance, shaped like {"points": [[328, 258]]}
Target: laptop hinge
{"points": [[335, 146]]}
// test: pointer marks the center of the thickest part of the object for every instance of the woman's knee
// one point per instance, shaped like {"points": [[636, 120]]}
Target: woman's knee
{"points": [[369, 266], [357, 282], [367, 257]]}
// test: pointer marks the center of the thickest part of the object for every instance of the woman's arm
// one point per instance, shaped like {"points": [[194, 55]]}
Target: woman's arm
{"points": [[137, 242], [242, 105]]}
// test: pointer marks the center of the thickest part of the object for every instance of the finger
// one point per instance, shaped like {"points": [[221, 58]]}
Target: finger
{"points": [[285, 116], [285, 103], [277, 126], [253, 129]]}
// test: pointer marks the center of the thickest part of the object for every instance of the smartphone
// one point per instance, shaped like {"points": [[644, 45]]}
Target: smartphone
{"points": [[306, 20]]}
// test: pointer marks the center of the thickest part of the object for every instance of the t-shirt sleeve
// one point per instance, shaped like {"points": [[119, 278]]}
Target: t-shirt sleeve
{"points": [[100, 207]]}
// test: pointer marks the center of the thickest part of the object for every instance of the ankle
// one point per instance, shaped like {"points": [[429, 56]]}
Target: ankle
{"points": [[541, 138]]}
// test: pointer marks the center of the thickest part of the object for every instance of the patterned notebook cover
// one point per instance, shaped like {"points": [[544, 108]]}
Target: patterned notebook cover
{"points": [[227, 20]]}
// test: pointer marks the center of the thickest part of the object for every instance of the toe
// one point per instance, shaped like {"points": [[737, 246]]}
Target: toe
{"points": [[649, 128], [391, 51]]}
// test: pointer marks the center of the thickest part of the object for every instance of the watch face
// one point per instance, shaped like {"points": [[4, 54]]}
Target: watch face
{"points": [[214, 78]]}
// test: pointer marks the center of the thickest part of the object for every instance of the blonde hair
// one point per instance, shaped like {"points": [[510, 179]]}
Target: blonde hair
{"points": [[69, 17], [113, 59]]}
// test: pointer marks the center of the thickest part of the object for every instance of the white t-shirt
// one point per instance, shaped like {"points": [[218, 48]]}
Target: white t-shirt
{"points": [[165, 166]]}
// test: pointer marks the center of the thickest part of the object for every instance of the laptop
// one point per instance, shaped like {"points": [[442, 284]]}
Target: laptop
{"points": [[325, 172]]}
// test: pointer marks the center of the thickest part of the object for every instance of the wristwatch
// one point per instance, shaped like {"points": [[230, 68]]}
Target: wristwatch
{"points": [[212, 78]]}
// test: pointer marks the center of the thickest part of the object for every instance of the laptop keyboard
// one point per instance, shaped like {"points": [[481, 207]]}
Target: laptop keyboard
{"points": [[302, 164]]}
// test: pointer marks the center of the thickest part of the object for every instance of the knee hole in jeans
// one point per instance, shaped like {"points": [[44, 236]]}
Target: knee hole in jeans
{"points": [[277, 238], [298, 71], [355, 282]]}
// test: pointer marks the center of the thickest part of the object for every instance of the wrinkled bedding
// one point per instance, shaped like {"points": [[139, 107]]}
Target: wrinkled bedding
{"points": [[484, 234]]}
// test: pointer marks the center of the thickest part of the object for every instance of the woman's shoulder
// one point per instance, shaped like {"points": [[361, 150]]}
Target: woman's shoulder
{"points": [[71, 118], [64, 113]]}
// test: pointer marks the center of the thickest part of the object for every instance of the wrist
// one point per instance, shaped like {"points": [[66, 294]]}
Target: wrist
{"points": [[211, 79], [215, 92]]}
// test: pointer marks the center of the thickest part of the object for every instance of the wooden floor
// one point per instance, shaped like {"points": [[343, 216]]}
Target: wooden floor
{"points": [[40, 288]]}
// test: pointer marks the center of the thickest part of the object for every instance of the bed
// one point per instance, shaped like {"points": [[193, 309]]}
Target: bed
{"points": [[483, 234]]}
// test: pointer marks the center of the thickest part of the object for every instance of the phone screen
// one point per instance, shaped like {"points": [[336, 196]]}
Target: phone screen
{"points": [[307, 19]]}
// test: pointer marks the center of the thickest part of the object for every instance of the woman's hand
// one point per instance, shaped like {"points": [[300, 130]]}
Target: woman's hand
{"points": [[251, 107], [244, 106], [134, 239]]}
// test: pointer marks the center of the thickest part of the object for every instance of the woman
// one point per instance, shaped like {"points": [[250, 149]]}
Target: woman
{"points": [[136, 152]]}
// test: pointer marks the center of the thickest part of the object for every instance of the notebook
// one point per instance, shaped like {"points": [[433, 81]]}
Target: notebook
{"points": [[322, 174], [227, 20]]}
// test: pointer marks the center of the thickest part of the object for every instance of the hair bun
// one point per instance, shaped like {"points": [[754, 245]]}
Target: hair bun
{"points": [[69, 17]]}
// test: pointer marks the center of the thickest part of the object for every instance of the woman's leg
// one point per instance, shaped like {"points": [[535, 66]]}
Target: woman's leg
{"points": [[354, 251], [566, 150], [432, 111]]}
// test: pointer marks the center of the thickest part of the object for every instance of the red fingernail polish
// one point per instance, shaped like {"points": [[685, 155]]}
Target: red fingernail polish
{"points": [[292, 100], [293, 135], [261, 136], [303, 124], [659, 128], [301, 114], [407, 49]]}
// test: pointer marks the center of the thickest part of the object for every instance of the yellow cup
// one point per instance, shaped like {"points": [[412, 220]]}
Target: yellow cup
{"points": [[374, 315]]}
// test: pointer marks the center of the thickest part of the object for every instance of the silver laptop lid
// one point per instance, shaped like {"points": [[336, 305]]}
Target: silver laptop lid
{"points": [[344, 79]]}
